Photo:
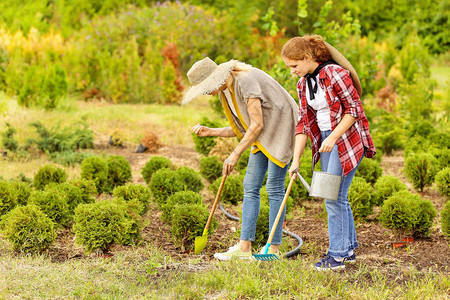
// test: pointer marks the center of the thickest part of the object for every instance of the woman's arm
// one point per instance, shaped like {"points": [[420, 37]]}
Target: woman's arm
{"points": [[346, 122], [201, 130], [255, 127]]}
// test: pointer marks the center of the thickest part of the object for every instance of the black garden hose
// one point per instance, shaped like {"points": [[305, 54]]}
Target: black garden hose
{"points": [[291, 234]]}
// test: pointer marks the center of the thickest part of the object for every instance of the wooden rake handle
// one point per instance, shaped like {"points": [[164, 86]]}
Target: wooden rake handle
{"points": [[280, 211], [215, 204]]}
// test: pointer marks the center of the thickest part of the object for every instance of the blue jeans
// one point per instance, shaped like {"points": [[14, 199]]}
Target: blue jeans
{"points": [[341, 226], [258, 166]]}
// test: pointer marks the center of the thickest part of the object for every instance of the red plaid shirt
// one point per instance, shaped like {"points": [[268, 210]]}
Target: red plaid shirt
{"points": [[342, 98]]}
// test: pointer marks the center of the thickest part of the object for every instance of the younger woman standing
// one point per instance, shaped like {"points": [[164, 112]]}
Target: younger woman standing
{"points": [[332, 116]]}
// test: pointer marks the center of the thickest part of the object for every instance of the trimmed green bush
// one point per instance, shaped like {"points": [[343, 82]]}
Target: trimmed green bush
{"points": [[420, 168], [96, 169], [385, 186], [87, 187], [445, 219], [179, 198], [28, 229], [442, 181], [8, 197], [52, 201], [164, 183], [407, 214], [188, 221], [442, 156], [233, 189], [48, 174], [22, 190], [134, 192], [192, 181], [154, 164], [370, 170], [102, 224], [211, 167], [360, 197], [119, 172], [73, 195]]}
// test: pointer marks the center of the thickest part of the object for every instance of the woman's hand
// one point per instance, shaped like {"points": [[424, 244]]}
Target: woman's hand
{"points": [[200, 130], [293, 169], [328, 144], [229, 163]]}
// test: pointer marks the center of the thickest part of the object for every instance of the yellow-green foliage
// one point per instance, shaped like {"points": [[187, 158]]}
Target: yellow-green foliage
{"points": [[233, 189], [210, 167], [28, 229], [154, 164], [139, 194], [119, 171], [48, 174], [385, 186], [445, 219], [8, 197], [192, 181], [420, 168], [179, 198], [360, 197], [53, 202], [96, 169]]}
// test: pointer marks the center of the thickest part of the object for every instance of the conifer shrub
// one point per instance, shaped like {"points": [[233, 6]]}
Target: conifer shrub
{"points": [[102, 224], [420, 168], [233, 189], [22, 191], [48, 174], [119, 172], [164, 183], [154, 164], [360, 197], [407, 214], [203, 145], [445, 219], [8, 197], [442, 156], [72, 194], [87, 187], [210, 167], [370, 170], [28, 229], [96, 169], [53, 202], [8, 140], [179, 198], [136, 194], [385, 186], [192, 181], [442, 181], [188, 221]]}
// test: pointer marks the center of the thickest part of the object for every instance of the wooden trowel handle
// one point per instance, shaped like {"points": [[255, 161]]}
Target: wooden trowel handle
{"points": [[215, 203]]}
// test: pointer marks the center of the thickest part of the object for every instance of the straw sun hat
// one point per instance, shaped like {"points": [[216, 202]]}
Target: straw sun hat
{"points": [[343, 62], [206, 76]]}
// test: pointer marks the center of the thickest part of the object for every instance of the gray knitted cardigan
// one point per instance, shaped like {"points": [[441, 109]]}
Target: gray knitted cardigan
{"points": [[280, 114]]}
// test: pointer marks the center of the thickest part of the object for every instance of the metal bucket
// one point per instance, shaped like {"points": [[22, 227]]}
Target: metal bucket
{"points": [[323, 185]]}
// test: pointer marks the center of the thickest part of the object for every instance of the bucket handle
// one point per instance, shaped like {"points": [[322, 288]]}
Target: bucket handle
{"points": [[314, 156]]}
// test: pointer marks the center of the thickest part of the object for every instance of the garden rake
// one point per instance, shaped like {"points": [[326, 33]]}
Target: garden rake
{"points": [[269, 257], [200, 241]]}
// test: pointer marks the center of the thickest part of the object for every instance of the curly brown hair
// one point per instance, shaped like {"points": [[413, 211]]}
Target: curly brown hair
{"points": [[313, 45]]}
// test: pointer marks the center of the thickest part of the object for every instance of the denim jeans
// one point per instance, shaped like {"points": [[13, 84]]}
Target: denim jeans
{"points": [[341, 226], [258, 166]]}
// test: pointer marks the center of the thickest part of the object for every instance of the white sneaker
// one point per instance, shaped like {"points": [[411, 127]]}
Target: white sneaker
{"points": [[234, 252]]}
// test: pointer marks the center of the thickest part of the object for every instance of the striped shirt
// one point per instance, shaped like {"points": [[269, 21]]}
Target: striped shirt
{"points": [[342, 98]]}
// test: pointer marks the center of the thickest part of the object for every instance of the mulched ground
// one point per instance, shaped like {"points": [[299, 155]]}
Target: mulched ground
{"points": [[375, 251]]}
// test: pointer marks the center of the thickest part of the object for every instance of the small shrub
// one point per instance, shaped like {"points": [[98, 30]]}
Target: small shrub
{"points": [[87, 187], [442, 181], [188, 221], [48, 174], [119, 172], [445, 219], [134, 192], [233, 189], [102, 224], [179, 198], [28, 229], [8, 197], [442, 156], [407, 214], [73, 195], [164, 183], [389, 140], [360, 197], [210, 167], [154, 164], [385, 186], [69, 158], [203, 145], [191, 180], [96, 169], [151, 142], [8, 140], [52, 201], [420, 169], [22, 190], [370, 170]]}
